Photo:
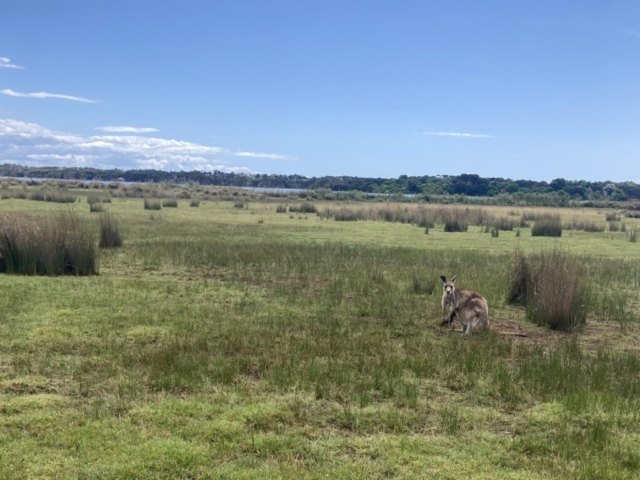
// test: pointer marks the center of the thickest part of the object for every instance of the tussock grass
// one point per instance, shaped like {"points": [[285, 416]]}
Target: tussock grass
{"points": [[586, 226], [519, 280], [423, 284], [553, 287], [194, 203], [56, 245], [453, 219], [170, 203], [547, 226], [95, 199], [152, 204], [612, 217], [305, 207], [39, 195], [50, 196], [504, 223], [96, 207], [110, 231]]}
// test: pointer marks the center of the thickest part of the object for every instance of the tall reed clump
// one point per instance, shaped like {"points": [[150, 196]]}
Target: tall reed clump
{"points": [[612, 217], [56, 245], [152, 204], [110, 232], [96, 207], [170, 203], [553, 288], [633, 235], [547, 226]]}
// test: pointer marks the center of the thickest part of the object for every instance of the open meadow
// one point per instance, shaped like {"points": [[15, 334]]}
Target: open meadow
{"points": [[231, 337]]}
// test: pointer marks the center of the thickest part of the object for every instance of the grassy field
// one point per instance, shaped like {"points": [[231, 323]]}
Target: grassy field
{"points": [[231, 341]]}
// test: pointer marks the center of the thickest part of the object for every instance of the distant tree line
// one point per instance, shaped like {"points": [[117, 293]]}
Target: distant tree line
{"points": [[466, 184]]}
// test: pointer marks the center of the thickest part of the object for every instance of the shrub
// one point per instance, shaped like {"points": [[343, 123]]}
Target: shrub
{"points": [[96, 207], [56, 245], [552, 286], [547, 226], [170, 203], [194, 203], [110, 233], [152, 204]]}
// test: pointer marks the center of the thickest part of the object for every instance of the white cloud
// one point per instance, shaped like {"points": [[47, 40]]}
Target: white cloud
{"points": [[11, 93], [458, 134], [33, 144], [67, 159], [6, 63], [271, 156], [127, 129]]}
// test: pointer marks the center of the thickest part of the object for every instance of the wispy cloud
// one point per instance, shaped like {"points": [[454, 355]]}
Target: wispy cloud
{"points": [[633, 33], [6, 63], [458, 134], [11, 93], [127, 129], [271, 156], [33, 144]]}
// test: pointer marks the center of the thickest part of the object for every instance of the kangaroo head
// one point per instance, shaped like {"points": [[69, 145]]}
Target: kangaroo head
{"points": [[448, 286]]}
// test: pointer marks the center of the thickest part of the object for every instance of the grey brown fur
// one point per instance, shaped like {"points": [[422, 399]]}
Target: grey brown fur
{"points": [[468, 308]]}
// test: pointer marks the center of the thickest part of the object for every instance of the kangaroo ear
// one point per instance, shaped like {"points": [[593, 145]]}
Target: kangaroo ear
{"points": [[453, 279], [443, 278]]}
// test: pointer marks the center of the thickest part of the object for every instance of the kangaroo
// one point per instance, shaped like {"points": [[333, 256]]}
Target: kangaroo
{"points": [[468, 308]]}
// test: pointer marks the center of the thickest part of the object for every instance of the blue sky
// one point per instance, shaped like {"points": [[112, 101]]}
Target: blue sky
{"points": [[541, 89]]}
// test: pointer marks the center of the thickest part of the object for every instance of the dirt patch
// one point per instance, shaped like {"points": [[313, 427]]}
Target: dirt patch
{"points": [[514, 329], [595, 335]]}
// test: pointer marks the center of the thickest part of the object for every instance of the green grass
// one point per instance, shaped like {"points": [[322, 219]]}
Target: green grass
{"points": [[215, 346]]}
